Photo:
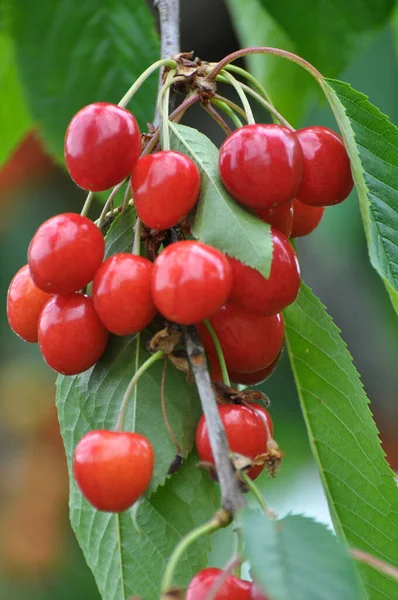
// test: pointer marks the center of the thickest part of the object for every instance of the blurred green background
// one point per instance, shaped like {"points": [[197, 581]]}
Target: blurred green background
{"points": [[39, 558]]}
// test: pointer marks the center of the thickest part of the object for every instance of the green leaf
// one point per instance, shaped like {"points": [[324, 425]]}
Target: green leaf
{"points": [[15, 120], [359, 484], [256, 27], [303, 559], [372, 143], [72, 53], [220, 221], [120, 235]]}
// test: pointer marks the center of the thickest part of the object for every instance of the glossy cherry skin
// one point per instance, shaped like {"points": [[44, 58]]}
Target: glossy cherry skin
{"points": [[231, 589], [122, 294], [25, 302], [71, 335], [256, 377], [190, 281], [261, 165], [65, 253], [113, 468], [305, 218], [165, 188], [246, 433], [268, 296], [102, 146], [249, 341], [280, 217], [327, 178]]}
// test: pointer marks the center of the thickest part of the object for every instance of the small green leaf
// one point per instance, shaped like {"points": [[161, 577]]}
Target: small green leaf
{"points": [[297, 558], [359, 484], [72, 53], [220, 221], [15, 120], [372, 143], [120, 235]]}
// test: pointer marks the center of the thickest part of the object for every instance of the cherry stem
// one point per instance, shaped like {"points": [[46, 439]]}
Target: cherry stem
{"points": [[220, 354], [126, 197], [254, 490], [163, 62], [164, 411], [137, 237], [235, 107], [251, 78], [217, 117], [228, 78], [123, 406], [227, 570], [165, 111], [87, 204], [376, 563], [228, 111], [221, 519], [108, 203]]}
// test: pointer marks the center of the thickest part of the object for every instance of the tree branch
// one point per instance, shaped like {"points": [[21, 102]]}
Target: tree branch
{"points": [[232, 497]]}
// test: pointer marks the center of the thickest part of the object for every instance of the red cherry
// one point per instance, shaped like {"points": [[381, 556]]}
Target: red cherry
{"points": [[249, 341], [102, 146], [268, 296], [190, 281], [71, 335], [327, 178], [25, 302], [280, 217], [122, 293], [257, 376], [246, 432], [305, 218], [113, 468], [231, 589], [256, 593], [65, 253], [165, 188], [261, 165]]}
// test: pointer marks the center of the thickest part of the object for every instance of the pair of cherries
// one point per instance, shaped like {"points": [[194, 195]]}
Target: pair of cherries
{"points": [[231, 588]]}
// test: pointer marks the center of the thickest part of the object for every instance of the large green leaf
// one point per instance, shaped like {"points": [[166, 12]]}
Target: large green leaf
{"points": [[372, 143], [304, 560], [360, 486], [15, 120], [72, 53], [220, 221]]}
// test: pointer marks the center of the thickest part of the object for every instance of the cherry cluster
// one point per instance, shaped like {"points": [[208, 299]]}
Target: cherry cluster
{"points": [[69, 299]]}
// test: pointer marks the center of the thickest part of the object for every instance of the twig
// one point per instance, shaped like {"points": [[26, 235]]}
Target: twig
{"points": [[232, 497]]}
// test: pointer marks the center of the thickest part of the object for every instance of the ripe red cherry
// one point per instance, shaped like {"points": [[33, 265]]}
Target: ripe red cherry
{"points": [[65, 253], [165, 188], [257, 376], [190, 281], [280, 217], [113, 468], [102, 146], [25, 302], [327, 178], [268, 296], [231, 589], [71, 335], [249, 341], [261, 165], [122, 293], [246, 432], [305, 218]]}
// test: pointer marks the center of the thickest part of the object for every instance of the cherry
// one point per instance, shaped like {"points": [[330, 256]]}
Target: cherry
{"points": [[190, 281], [268, 296], [71, 335], [65, 253], [165, 188], [305, 218], [249, 341], [261, 165], [122, 293], [257, 376], [280, 217], [102, 146], [231, 589], [25, 302], [245, 429], [113, 468], [327, 178]]}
